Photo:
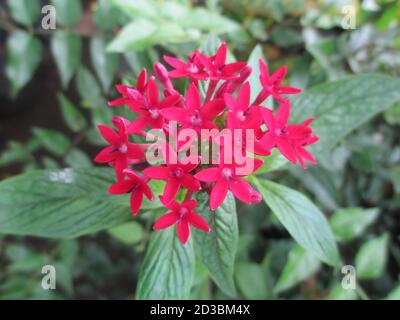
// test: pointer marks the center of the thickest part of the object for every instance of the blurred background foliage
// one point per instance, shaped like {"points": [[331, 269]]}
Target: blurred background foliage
{"points": [[54, 85]]}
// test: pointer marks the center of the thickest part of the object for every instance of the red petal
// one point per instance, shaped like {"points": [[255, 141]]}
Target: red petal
{"points": [[121, 187], [106, 155], [174, 62], [190, 183], [199, 222], [169, 101], [193, 99], [287, 150], [233, 68], [136, 201], [220, 57], [175, 114], [241, 190], [147, 192], [135, 151], [166, 221], [264, 73], [171, 189], [208, 175], [268, 117], [109, 135], [278, 76], [218, 194], [152, 93], [157, 173], [141, 81], [183, 231], [213, 108], [244, 96], [282, 114]]}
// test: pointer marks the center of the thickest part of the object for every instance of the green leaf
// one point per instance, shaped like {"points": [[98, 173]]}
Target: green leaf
{"points": [[72, 117], [128, 233], [69, 12], [341, 106], [371, 258], [339, 293], [394, 294], [249, 278], [14, 153], [53, 141], [138, 8], [89, 89], [301, 218], [136, 35], [25, 12], [392, 115], [66, 49], [217, 249], [77, 159], [24, 53], [301, 264], [105, 64], [62, 203], [273, 162], [168, 269], [349, 223], [106, 16], [254, 79]]}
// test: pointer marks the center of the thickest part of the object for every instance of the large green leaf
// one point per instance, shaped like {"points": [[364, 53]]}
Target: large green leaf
{"points": [[341, 106], [105, 64], [371, 259], [21, 65], [300, 265], [349, 223], [66, 49], [217, 249], [62, 203], [54, 141], [302, 219], [250, 281], [168, 269], [25, 12], [69, 12]]}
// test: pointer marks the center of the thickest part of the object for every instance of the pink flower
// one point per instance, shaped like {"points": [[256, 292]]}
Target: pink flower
{"points": [[121, 152], [183, 215], [195, 115], [136, 186], [217, 67], [149, 107], [175, 173], [290, 139], [193, 68], [272, 84], [227, 177]]}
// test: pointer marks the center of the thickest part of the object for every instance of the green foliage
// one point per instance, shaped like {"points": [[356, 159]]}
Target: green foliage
{"points": [[217, 249]]}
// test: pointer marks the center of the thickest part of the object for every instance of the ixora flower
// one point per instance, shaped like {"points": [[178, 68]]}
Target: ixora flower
{"points": [[223, 117]]}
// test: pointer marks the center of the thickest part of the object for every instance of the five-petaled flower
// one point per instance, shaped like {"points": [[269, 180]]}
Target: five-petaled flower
{"points": [[135, 185], [183, 215]]}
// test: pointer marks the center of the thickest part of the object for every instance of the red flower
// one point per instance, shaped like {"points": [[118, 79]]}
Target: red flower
{"points": [[272, 84], [290, 139], [129, 92], [175, 173], [183, 215], [149, 108], [136, 185], [227, 177], [192, 69], [217, 67], [121, 152], [242, 114], [195, 115]]}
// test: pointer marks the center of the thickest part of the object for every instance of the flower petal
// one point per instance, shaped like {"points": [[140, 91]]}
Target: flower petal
{"points": [[190, 183], [157, 173], [166, 221], [106, 155], [199, 222], [152, 93], [193, 99], [109, 135], [136, 201], [218, 194], [183, 230], [179, 115], [241, 190], [121, 187], [208, 175], [171, 189]]}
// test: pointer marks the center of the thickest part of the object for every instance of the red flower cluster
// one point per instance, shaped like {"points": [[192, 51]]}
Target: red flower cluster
{"points": [[232, 117]]}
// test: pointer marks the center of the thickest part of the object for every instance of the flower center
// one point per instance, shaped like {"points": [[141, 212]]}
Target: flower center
{"points": [[123, 148], [195, 119], [241, 116], [279, 131], [227, 173], [177, 173], [154, 113], [183, 212], [193, 68]]}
